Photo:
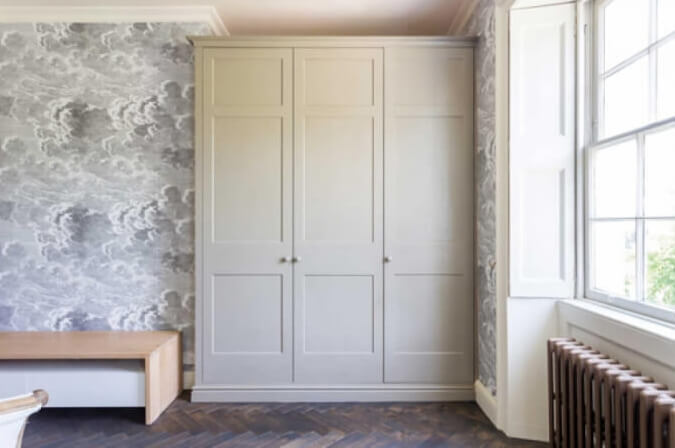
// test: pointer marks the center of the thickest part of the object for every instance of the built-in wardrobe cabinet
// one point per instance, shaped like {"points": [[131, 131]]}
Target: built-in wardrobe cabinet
{"points": [[334, 183]]}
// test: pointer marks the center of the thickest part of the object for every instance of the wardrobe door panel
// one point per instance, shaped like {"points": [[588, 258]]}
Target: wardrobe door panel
{"points": [[436, 171], [249, 312], [429, 216], [332, 300], [338, 81], [338, 216], [338, 196], [248, 164], [248, 80], [247, 216], [429, 321]]}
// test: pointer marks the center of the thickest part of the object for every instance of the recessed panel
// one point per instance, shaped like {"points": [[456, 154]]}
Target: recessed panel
{"points": [[339, 179], [431, 173], [247, 81], [247, 180], [427, 80], [339, 312], [542, 225], [542, 72], [430, 314], [247, 313], [338, 82]]}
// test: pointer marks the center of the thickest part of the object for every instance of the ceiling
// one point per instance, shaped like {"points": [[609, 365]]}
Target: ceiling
{"points": [[327, 17]]}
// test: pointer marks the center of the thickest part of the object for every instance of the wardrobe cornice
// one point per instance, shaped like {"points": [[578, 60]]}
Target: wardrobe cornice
{"points": [[333, 41]]}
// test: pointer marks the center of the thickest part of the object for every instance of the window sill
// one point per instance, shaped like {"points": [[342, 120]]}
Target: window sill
{"points": [[639, 334]]}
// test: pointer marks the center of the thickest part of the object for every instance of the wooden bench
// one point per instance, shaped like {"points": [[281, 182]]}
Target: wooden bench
{"points": [[159, 352]]}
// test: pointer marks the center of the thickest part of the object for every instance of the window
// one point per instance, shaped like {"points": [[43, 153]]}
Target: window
{"points": [[630, 219]]}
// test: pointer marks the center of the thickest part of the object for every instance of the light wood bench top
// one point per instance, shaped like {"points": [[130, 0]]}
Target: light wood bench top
{"points": [[160, 351], [82, 344]]}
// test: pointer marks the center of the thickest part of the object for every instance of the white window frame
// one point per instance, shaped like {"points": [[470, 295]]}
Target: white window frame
{"points": [[590, 24]]}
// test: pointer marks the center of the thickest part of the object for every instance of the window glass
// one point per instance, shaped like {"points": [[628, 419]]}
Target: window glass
{"points": [[626, 98], [626, 30], [666, 17], [614, 180], [630, 226], [666, 79], [660, 173], [613, 257], [660, 262]]}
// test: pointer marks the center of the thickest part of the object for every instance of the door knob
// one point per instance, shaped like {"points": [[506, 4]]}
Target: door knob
{"points": [[387, 259], [285, 259], [296, 259]]}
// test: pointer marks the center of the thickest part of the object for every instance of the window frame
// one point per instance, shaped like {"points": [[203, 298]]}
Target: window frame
{"points": [[591, 105]]}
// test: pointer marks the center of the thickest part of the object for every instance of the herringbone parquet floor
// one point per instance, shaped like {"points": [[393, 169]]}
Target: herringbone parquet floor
{"points": [[196, 425]]}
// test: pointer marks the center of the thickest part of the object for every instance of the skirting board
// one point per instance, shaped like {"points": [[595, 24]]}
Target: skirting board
{"points": [[234, 394], [528, 432], [486, 402]]}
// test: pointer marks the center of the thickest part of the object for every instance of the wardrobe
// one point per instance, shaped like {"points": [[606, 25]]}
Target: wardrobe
{"points": [[334, 227]]}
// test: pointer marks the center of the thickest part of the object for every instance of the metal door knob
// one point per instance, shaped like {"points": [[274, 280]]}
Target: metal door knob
{"points": [[285, 259], [387, 259], [297, 259]]}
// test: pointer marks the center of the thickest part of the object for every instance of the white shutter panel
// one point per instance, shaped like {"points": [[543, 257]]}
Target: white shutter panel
{"points": [[542, 142]]}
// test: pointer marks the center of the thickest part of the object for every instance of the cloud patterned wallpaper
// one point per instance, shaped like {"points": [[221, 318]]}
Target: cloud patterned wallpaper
{"points": [[482, 24], [96, 177]]}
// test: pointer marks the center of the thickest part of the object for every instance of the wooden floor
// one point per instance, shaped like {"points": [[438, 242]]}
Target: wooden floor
{"points": [[194, 425]]}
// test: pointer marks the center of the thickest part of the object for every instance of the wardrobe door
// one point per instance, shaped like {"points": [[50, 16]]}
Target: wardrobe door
{"points": [[338, 216], [247, 218], [429, 216]]}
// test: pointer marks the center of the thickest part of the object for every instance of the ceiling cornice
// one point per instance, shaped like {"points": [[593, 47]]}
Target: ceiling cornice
{"points": [[462, 17], [113, 14]]}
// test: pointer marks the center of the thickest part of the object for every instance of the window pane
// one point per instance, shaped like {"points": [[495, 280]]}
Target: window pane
{"points": [[660, 263], [666, 17], [666, 79], [613, 257], [659, 176], [614, 181], [626, 98], [626, 30]]}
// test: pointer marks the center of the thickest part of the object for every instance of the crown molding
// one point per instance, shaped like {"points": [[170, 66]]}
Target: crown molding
{"points": [[115, 14], [462, 17], [523, 4]]}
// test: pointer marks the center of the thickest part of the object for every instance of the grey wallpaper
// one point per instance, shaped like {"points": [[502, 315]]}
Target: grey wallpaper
{"points": [[482, 24], [96, 177]]}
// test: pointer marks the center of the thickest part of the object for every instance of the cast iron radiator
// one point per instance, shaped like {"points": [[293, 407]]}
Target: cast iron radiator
{"points": [[596, 401]]}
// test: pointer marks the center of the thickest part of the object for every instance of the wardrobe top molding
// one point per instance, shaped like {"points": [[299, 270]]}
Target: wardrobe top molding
{"points": [[334, 41]]}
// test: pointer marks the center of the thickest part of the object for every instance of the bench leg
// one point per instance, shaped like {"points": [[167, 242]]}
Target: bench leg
{"points": [[163, 378]]}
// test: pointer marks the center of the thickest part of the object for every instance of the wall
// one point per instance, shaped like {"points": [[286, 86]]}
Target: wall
{"points": [[96, 177], [482, 24], [531, 321]]}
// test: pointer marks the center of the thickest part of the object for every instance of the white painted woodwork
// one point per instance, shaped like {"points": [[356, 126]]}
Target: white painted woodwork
{"points": [[643, 344], [313, 165], [334, 393], [309, 41], [429, 215], [338, 216], [531, 322], [542, 164], [247, 216]]}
